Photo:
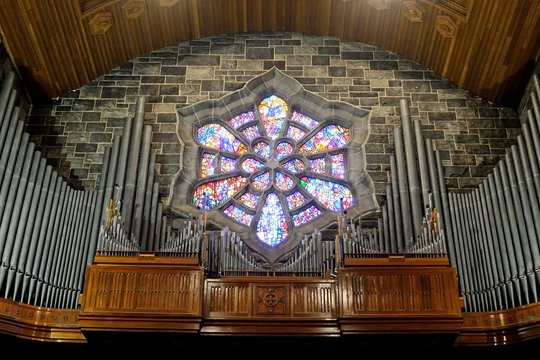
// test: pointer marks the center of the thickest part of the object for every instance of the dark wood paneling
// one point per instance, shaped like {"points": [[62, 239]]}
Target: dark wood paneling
{"points": [[486, 47]]}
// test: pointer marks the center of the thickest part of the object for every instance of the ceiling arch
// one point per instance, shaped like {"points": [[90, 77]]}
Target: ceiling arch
{"points": [[486, 47]]}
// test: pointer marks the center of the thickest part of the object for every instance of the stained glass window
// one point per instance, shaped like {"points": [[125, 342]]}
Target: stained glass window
{"points": [[273, 169]]}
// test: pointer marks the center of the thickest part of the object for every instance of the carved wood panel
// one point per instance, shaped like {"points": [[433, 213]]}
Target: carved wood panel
{"points": [[407, 290], [252, 298], [152, 288]]}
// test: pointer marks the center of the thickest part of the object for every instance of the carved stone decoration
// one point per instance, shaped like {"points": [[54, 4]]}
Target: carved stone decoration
{"points": [[412, 11], [446, 26], [100, 23], [271, 300], [167, 3], [134, 8], [379, 4]]}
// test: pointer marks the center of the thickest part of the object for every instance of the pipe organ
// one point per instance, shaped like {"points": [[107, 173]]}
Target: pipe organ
{"points": [[107, 252]]}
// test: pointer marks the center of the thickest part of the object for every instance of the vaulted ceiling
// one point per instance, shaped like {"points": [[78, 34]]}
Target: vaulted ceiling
{"points": [[488, 47]]}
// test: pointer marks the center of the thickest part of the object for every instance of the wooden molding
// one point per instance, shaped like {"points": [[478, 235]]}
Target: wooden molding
{"points": [[379, 4], [167, 3], [39, 323]]}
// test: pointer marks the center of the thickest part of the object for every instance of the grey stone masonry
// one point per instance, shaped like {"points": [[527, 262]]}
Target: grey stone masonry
{"points": [[469, 132]]}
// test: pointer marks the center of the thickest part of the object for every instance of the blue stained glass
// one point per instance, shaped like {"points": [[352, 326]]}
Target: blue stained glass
{"points": [[272, 228], [264, 136], [305, 216], [251, 132], [273, 111], [328, 193], [251, 165], [217, 137], [295, 166], [241, 119], [239, 215], [328, 138]]}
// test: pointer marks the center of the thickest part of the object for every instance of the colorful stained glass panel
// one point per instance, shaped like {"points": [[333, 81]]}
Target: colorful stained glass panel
{"points": [[251, 132], [305, 216], [328, 193], [227, 164], [296, 199], [217, 137], [295, 166], [328, 138], [338, 166], [272, 226], [318, 165], [263, 149], [304, 120], [217, 192], [283, 182], [283, 149], [251, 165], [295, 133], [249, 199], [208, 164], [238, 215], [241, 119], [273, 111], [261, 182]]}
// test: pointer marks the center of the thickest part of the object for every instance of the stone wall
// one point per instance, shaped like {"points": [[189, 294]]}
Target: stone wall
{"points": [[470, 132]]}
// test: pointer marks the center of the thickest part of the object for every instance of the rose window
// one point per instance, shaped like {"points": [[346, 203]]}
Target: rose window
{"points": [[272, 169]]}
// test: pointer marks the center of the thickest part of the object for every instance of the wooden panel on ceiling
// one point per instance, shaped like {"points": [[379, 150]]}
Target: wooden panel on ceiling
{"points": [[486, 47]]}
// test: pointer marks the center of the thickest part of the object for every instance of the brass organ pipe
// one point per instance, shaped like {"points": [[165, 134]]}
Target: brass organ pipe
{"points": [[422, 162], [12, 202], [484, 253], [19, 221], [471, 254], [132, 165], [75, 243], [534, 137], [445, 218], [523, 232], [153, 217], [532, 156], [57, 248], [49, 248], [10, 117], [503, 229], [98, 215], [392, 248], [109, 174], [68, 243], [140, 192], [148, 197], [508, 214], [7, 86], [415, 192], [496, 241], [48, 218], [466, 278], [397, 204], [404, 195], [78, 280], [386, 226], [26, 259], [529, 199], [490, 244], [16, 141]]}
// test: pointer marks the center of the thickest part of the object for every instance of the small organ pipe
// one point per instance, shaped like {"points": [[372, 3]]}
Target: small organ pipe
{"points": [[148, 197], [397, 204], [391, 220]]}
